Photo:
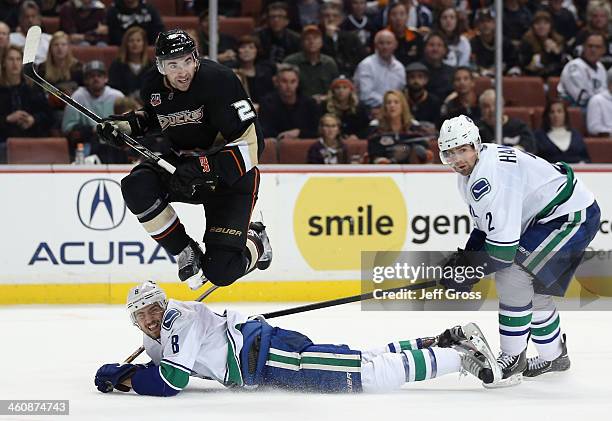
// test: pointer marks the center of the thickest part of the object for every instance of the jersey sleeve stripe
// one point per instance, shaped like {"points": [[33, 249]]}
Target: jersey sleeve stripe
{"points": [[501, 253], [174, 377], [563, 196], [501, 243]]}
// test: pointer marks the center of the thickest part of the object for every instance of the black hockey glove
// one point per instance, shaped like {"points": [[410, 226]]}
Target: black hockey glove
{"points": [[130, 123], [111, 376], [193, 176], [464, 273]]}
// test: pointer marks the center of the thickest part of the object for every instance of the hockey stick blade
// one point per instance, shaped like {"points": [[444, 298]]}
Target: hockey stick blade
{"points": [[29, 70], [31, 44]]}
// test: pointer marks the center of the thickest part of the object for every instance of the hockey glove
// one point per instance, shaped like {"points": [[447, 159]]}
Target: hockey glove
{"points": [[464, 273], [111, 376], [194, 176], [130, 124]]}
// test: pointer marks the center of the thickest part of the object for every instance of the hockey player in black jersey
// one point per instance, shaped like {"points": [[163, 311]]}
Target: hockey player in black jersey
{"points": [[203, 110]]}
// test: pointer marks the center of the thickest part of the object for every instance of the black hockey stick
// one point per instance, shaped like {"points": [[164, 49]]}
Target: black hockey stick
{"points": [[140, 350], [29, 70], [345, 300]]}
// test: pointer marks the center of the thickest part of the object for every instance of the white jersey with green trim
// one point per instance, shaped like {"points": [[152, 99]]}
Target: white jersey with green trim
{"points": [[509, 190], [198, 341]]}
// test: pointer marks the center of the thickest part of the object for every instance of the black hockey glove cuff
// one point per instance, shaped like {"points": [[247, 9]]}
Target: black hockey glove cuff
{"points": [[194, 176], [461, 271], [132, 124]]}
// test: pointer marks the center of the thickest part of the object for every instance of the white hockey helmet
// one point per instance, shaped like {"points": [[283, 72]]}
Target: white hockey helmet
{"points": [[144, 294], [458, 131]]}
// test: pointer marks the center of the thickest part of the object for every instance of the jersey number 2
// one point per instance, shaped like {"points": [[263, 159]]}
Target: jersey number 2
{"points": [[245, 112], [489, 217], [174, 342]]}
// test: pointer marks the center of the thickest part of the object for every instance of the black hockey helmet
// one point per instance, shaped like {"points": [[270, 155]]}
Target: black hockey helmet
{"points": [[173, 43]]}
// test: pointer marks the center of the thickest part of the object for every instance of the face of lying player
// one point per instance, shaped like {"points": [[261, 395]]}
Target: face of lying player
{"points": [[461, 159], [180, 71], [149, 320]]}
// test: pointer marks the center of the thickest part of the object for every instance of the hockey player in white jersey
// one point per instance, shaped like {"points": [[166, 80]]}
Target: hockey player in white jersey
{"points": [[186, 338], [533, 221]]}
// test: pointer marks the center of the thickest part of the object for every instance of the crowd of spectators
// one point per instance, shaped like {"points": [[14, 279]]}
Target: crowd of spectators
{"points": [[388, 72]]}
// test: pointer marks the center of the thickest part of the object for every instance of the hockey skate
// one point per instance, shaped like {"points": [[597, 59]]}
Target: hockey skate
{"points": [[476, 355], [450, 337], [537, 366], [257, 230], [512, 368], [190, 266]]}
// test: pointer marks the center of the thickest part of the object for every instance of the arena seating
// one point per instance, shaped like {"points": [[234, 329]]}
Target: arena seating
{"points": [[37, 150], [270, 153], [524, 91], [294, 151], [600, 149]]}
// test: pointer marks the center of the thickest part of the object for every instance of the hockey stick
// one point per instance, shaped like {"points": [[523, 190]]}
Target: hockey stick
{"points": [[29, 53], [345, 300], [199, 299]]}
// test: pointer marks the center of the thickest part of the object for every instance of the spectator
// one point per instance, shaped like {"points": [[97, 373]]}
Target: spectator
{"points": [[342, 101], [343, 46], [286, 113], [585, 76], [303, 13], [359, 22], [95, 96], [29, 15], [409, 42], [464, 99], [277, 41], [226, 44], [379, 72], [517, 19], [599, 111], [9, 13], [23, 108], [61, 68], [317, 70], [84, 21], [459, 48], [514, 132], [440, 74], [127, 70], [541, 50], [390, 141], [63, 71], [424, 106], [419, 15], [257, 73], [124, 14], [483, 46], [329, 149], [563, 21], [598, 22], [5, 33], [557, 140]]}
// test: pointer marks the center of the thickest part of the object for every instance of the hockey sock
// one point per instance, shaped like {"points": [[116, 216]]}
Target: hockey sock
{"points": [[254, 250], [164, 226], [409, 345], [424, 364], [546, 334], [514, 325]]}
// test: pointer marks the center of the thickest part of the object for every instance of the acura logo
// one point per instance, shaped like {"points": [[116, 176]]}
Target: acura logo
{"points": [[100, 204]]}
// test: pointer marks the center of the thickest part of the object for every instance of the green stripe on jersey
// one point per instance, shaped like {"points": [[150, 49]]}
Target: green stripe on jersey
{"points": [[420, 368], [405, 345], [546, 330], [514, 321], [175, 376], [505, 253], [234, 376], [561, 197], [555, 241]]}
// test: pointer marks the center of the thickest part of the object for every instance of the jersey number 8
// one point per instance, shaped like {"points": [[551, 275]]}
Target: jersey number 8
{"points": [[245, 112], [174, 342]]}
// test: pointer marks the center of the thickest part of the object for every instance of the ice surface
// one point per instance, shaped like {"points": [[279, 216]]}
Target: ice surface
{"points": [[53, 352]]}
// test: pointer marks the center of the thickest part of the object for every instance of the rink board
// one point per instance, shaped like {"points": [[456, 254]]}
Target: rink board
{"points": [[68, 237]]}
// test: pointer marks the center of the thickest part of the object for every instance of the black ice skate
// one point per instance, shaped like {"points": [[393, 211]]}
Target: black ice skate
{"points": [[190, 265], [512, 367], [450, 337], [537, 366], [257, 231]]}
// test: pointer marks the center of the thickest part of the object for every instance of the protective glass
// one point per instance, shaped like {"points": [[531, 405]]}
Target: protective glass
{"points": [[177, 65], [455, 154]]}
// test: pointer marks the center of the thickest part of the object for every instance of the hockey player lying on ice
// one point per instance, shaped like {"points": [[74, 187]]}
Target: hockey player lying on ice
{"points": [[186, 338]]}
